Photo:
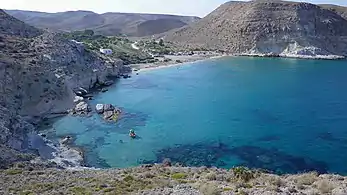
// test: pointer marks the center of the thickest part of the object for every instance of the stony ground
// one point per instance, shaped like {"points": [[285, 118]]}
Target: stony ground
{"points": [[158, 179]]}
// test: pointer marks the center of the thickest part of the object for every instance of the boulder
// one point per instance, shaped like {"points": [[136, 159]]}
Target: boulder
{"points": [[108, 107], [82, 107], [108, 83], [78, 99], [167, 162], [99, 108], [108, 115]]}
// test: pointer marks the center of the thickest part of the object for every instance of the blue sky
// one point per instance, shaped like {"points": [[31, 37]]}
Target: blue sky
{"points": [[180, 7]]}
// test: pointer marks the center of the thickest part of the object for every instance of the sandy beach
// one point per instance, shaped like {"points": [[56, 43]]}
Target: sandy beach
{"points": [[175, 60]]}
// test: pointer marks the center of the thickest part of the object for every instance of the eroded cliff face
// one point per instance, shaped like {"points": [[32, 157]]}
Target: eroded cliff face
{"points": [[39, 72], [268, 27]]}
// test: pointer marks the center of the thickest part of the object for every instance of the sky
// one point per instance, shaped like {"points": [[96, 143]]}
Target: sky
{"points": [[178, 7]]}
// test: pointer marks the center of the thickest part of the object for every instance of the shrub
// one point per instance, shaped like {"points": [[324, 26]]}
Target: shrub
{"points": [[79, 191], [179, 176], [128, 178], [13, 171], [211, 176], [243, 173]]}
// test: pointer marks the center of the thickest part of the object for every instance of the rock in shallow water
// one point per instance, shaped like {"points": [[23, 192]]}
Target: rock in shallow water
{"points": [[108, 111], [81, 108], [99, 108]]}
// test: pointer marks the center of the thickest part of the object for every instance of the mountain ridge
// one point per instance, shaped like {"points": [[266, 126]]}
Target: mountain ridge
{"points": [[109, 23]]}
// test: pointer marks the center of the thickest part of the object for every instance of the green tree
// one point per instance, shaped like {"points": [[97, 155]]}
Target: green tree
{"points": [[89, 32], [161, 42]]}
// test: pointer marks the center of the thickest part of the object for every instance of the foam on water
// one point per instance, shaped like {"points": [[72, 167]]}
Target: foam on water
{"points": [[285, 115]]}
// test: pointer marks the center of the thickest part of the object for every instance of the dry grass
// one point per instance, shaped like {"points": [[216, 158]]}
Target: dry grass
{"points": [[210, 189], [325, 187], [306, 179]]}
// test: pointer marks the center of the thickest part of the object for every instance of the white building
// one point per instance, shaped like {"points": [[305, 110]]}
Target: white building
{"points": [[106, 51], [79, 43]]}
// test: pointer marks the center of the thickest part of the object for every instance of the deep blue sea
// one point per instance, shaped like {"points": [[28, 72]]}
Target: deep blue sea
{"points": [[284, 115]]}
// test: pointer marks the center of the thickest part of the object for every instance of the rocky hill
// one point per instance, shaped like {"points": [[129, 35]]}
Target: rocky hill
{"points": [[342, 11], [130, 24], [11, 26], [39, 72], [268, 27]]}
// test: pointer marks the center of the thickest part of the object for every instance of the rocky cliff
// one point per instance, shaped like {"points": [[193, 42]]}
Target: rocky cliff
{"points": [[268, 27], [39, 72]]}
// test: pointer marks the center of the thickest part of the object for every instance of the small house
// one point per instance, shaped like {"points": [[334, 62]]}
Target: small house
{"points": [[106, 51]]}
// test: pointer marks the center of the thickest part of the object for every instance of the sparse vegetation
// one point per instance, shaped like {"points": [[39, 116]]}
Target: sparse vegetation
{"points": [[243, 173], [159, 177], [179, 176], [13, 171], [307, 179], [210, 189]]}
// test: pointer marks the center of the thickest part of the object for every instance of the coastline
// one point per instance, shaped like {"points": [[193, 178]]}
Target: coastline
{"points": [[69, 154], [183, 60], [188, 59]]}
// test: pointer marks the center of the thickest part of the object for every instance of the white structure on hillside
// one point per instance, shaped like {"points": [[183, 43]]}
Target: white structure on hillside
{"points": [[77, 42], [106, 51]]}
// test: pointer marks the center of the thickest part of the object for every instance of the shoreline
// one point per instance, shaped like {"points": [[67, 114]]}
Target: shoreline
{"points": [[184, 60], [200, 58], [62, 151]]}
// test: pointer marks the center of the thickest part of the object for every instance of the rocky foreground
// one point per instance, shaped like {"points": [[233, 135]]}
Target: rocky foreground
{"points": [[159, 179]]}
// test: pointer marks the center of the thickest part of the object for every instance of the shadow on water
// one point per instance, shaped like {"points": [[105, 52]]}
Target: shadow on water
{"points": [[131, 120], [269, 138], [328, 136], [205, 154], [141, 83], [276, 161], [265, 116]]}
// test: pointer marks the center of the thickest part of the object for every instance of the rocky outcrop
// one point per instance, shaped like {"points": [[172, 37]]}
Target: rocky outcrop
{"points": [[109, 112], [82, 108], [268, 27], [39, 74]]}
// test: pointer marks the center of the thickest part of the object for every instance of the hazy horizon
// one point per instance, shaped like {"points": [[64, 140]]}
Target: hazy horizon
{"points": [[178, 7]]}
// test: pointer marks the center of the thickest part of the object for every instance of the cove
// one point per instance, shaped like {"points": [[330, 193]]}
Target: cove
{"points": [[283, 115]]}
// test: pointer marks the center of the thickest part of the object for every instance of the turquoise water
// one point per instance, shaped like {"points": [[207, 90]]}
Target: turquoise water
{"points": [[284, 115]]}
